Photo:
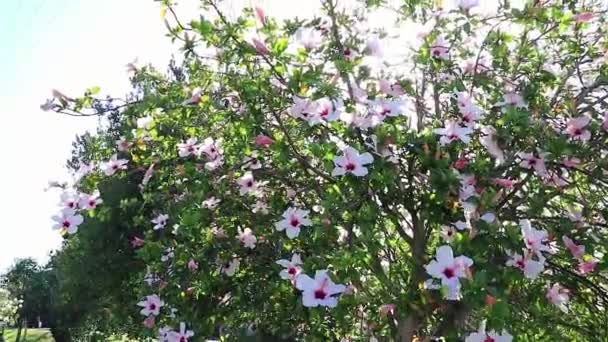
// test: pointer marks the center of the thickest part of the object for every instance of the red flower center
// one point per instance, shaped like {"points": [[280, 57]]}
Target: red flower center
{"points": [[152, 306], [320, 294], [66, 223], [578, 131], [249, 184], [350, 167], [449, 273], [294, 222], [292, 271], [489, 339], [183, 339], [324, 112], [92, 203], [521, 264]]}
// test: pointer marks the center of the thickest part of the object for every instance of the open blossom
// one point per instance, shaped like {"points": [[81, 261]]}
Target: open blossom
{"points": [[514, 100], [180, 336], [252, 162], [440, 48], [67, 220], [448, 233], [488, 336], [89, 202], [123, 144], [248, 184], [163, 333], [211, 203], [309, 38], [452, 132], [470, 115], [320, 291], [531, 268], [558, 296], [352, 162], [384, 108], [231, 267], [576, 128], [324, 109], [292, 267], [449, 269], [151, 305], [301, 108], [189, 148], [160, 221], [211, 148], [393, 89], [69, 199], [533, 161], [293, 220], [247, 238], [534, 239], [114, 164], [463, 99]]}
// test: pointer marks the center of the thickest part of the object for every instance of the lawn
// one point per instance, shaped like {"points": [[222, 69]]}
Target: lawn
{"points": [[40, 335], [33, 335]]}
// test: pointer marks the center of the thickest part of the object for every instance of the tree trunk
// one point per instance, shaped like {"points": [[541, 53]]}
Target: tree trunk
{"points": [[25, 331], [407, 327], [19, 327]]}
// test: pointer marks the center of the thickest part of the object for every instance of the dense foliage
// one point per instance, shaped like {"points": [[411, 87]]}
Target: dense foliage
{"points": [[373, 172]]}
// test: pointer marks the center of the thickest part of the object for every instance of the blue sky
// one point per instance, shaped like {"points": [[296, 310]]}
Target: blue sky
{"points": [[68, 45]]}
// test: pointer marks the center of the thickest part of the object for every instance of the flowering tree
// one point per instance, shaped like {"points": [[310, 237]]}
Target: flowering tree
{"points": [[440, 174], [8, 309]]}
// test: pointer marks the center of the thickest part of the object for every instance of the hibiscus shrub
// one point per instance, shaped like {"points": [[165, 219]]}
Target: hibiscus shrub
{"points": [[372, 172]]}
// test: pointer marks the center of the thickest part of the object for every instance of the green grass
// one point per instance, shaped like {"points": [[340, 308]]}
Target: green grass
{"points": [[33, 335], [44, 335]]}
